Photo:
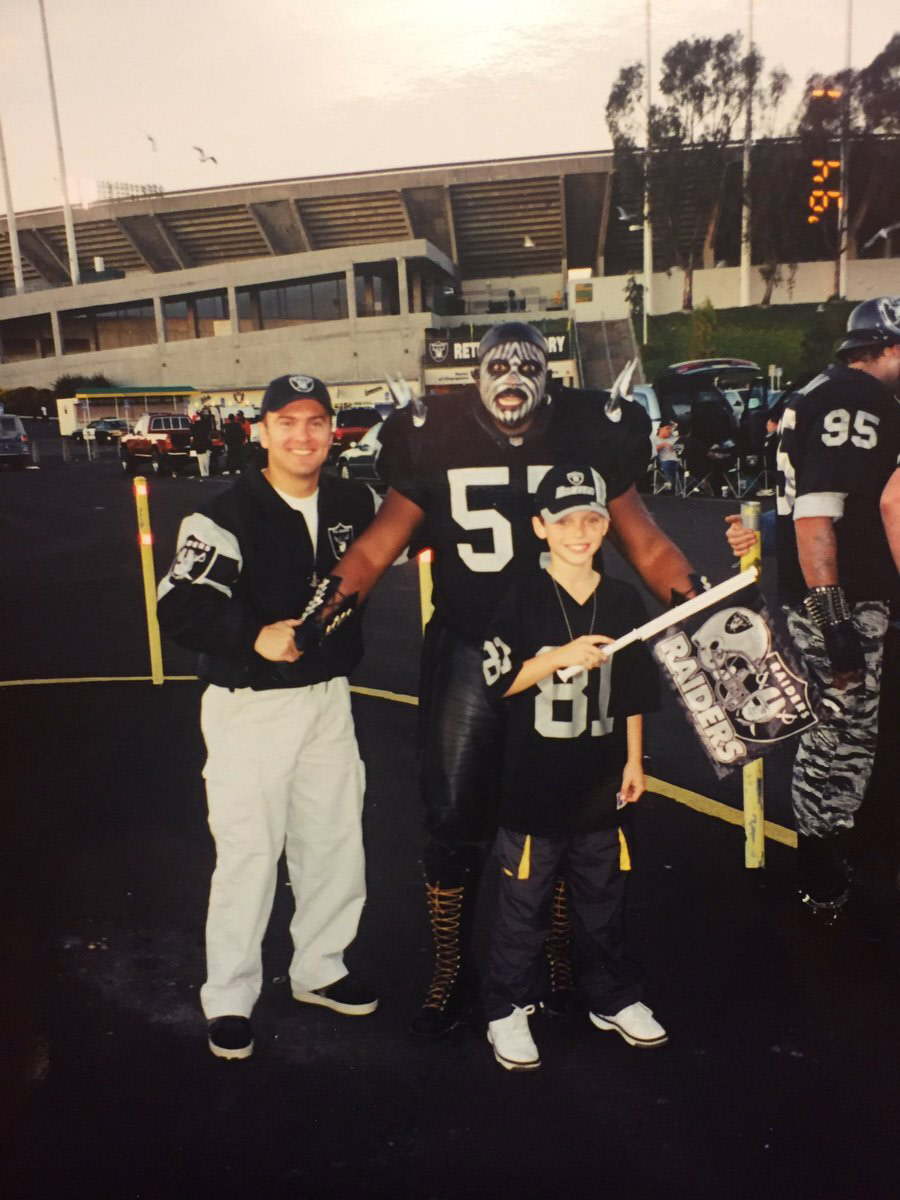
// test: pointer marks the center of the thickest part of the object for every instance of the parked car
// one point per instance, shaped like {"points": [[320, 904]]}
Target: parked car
{"points": [[103, 431], [15, 447], [716, 391], [359, 460], [159, 443], [350, 424]]}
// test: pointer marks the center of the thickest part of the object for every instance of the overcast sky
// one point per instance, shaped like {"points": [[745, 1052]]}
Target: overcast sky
{"points": [[285, 88]]}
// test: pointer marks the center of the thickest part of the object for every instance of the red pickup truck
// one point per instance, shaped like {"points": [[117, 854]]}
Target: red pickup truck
{"points": [[350, 424], [160, 443]]}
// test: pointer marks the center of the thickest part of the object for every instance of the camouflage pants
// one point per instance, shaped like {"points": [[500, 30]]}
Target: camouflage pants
{"points": [[834, 758]]}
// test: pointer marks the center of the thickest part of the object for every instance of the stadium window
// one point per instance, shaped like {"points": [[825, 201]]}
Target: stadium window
{"points": [[291, 302], [22, 338], [108, 328], [377, 289], [200, 315], [248, 312]]}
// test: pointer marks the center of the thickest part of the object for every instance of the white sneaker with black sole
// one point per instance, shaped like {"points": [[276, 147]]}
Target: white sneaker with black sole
{"points": [[230, 1037], [514, 1047], [346, 996], [636, 1024]]}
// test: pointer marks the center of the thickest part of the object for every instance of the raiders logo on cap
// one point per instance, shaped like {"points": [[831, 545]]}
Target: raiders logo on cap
{"points": [[301, 383], [576, 478]]}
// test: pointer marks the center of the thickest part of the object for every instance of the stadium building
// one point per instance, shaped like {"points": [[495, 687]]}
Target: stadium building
{"points": [[352, 277]]}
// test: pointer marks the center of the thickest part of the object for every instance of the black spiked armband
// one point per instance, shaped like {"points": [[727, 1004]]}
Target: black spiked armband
{"points": [[326, 610], [698, 584], [827, 608]]}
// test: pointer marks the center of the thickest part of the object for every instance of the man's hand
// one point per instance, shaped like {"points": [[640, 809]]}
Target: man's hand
{"points": [[739, 537], [276, 642]]}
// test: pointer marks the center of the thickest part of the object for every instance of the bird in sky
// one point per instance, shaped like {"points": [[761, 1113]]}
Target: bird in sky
{"points": [[204, 157], [151, 140]]}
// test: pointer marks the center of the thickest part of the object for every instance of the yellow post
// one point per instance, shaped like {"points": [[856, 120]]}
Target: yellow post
{"points": [[754, 789], [145, 541], [425, 559]]}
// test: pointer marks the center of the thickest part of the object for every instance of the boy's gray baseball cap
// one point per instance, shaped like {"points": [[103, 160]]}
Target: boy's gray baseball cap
{"points": [[288, 388], [565, 490]]}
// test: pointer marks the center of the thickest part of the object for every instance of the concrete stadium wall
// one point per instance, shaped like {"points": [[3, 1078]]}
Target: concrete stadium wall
{"points": [[354, 348], [364, 349], [810, 284]]}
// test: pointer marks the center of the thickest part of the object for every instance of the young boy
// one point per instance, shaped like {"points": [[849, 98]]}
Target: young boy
{"points": [[572, 757], [667, 455]]}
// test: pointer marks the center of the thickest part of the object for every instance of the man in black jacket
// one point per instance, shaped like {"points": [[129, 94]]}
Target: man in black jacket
{"points": [[283, 770]]}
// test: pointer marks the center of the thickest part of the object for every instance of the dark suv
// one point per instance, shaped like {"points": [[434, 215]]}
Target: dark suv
{"points": [[15, 447]]}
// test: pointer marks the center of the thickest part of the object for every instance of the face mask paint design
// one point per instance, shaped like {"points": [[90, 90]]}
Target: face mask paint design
{"points": [[512, 380]]}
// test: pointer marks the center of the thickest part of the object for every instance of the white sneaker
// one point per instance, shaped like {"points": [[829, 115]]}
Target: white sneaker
{"points": [[636, 1024], [514, 1047]]}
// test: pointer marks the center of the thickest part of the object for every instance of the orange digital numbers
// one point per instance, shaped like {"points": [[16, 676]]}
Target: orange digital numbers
{"points": [[820, 198]]}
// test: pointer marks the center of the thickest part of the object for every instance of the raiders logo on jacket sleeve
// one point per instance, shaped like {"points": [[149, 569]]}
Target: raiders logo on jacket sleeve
{"points": [[206, 554]]}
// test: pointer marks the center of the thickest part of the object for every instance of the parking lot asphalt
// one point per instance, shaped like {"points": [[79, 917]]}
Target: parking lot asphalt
{"points": [[779, 1079]]}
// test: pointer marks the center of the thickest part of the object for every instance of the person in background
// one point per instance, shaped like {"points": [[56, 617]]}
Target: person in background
{"points": [[201, 441], [234, 437], [667, 455]]}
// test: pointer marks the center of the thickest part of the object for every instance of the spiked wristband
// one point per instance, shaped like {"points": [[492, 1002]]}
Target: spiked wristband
{"points": [[327, 609], [827, 606]]}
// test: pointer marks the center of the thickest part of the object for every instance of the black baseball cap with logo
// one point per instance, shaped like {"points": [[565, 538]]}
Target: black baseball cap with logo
{"points": [[288, 388], [565, 490]]}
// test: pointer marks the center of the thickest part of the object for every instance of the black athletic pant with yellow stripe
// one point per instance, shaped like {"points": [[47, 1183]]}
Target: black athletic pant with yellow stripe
{"points": [[528, 867]]}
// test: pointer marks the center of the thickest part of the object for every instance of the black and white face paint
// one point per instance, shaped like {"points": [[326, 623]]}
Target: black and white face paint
{"points": [[512, 380]]}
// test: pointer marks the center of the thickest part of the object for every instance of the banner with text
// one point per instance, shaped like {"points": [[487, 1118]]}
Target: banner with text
{"points": [[736, 680]]}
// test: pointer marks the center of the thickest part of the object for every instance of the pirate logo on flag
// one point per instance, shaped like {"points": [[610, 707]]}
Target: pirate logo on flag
{"points": [[736, 684], [752, 683], [340, 537]]}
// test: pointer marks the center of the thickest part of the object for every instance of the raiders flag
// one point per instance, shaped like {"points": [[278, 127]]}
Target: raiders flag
{"points": [[735, 679]]}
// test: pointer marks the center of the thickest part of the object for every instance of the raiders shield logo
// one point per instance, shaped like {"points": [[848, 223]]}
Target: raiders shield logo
{"points": [[340, 537], [301, 383], [192, 561], [576, 478], [438, 351], [890, 312]]}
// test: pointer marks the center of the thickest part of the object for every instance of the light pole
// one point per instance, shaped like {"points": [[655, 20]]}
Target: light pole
{"points": [[648, 229], [843, 215], [746, 226], [11, 220], [67, 208]]}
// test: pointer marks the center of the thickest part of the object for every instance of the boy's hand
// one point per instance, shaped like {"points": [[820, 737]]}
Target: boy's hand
{"points": [[739, 537], [634, 784], [583, 652], [276, 642]]}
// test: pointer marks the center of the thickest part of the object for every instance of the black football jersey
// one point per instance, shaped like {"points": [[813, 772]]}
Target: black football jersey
{"points": [[839, 443], [566, 741], [476, 485]]}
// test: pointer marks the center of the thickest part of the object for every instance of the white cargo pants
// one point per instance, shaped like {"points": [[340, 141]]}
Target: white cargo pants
{"points": [[283, 772]]}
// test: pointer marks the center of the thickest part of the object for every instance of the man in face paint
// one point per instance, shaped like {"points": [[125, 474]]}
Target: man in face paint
{"points": [[462, 470], [512, 378]]}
